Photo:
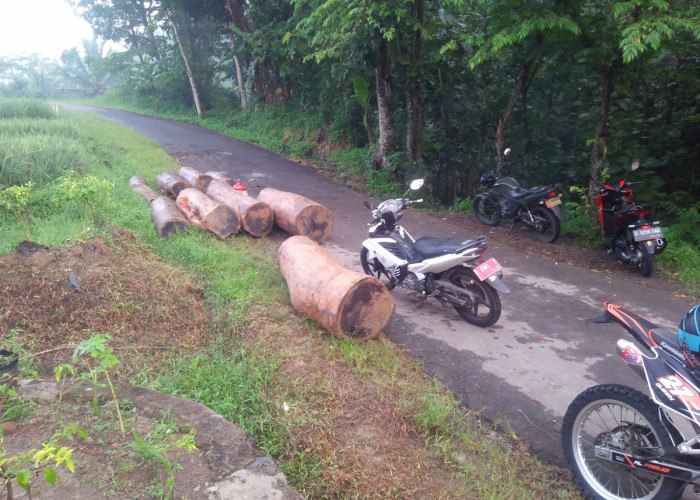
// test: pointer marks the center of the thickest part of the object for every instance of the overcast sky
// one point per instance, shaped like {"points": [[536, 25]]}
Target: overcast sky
{"points": [[46, 27]]}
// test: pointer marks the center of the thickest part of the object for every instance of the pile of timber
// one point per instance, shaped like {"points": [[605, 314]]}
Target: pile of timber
{"points": [[256, 216], [298, 215], [166, 216], [349, 304], [208, 214]]}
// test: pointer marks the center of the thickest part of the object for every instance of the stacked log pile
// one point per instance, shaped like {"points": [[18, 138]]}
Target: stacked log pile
{"points": [[299, 215], [256, 216], [348, 303], [170, 183], [166, 216], [195, 178], [208, 214]]}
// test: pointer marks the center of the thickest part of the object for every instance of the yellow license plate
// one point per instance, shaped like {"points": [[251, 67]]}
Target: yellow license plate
{"points": [[553, 202]]}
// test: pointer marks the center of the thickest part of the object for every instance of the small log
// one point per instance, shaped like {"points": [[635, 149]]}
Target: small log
{"points": [[167, 218], [208, 214], [222, 176], [299, 215], [140, 185], [195, 178], [256, 216], [170, 183], [349, 304]]}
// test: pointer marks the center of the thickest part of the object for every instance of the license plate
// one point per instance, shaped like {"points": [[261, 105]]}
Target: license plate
{"points": [[647, 234], [486, 269], [552, 202]]}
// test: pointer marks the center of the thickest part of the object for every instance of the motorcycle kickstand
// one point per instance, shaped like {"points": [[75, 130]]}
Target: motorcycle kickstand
{"points": [[608, 253], [421, 300]]}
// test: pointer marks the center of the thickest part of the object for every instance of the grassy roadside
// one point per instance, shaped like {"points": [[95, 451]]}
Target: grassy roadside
{"points": [[343, 420]]}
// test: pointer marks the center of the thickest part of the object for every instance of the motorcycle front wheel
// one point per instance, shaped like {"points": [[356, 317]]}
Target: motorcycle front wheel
{"points": [[646, 265], [487, 209], [483, 306], [617, 418], [547, 227], [374, 268]]}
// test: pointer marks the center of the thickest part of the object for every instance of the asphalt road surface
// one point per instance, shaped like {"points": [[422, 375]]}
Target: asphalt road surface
{"points": [[523, 371]]}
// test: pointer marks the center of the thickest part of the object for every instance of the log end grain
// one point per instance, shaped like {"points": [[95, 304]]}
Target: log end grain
{"points": [[365, 310], [222, 221], [316, 222], [258, 219]]}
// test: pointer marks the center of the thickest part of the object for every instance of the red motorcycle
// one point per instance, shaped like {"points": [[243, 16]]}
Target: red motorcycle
{"points": [[628, 235]]}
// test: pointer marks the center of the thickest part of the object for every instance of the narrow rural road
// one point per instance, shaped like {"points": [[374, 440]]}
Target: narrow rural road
{"points": [[523, 371]]}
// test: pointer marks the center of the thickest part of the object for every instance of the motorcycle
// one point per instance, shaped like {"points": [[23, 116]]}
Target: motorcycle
{"points": [[621, 444], [628, 235], [451, 270], [539, 207]]}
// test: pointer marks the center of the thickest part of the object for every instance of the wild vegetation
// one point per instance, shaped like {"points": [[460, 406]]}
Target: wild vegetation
{"points": [[165, 314]]}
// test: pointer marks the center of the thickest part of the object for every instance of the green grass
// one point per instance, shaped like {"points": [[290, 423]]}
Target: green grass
{"points": [[26, 108]]}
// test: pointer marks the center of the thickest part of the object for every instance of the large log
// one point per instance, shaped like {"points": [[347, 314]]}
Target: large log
{"points": [[256, 216], [298, 215], [195, 178], [222, 176], [170, 183], [208, 214], [140, 185], [348, 303], [167, 218]]}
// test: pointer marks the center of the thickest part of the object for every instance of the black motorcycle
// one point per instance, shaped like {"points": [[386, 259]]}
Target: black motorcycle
{"points": [[539, 207], [628, 235]]}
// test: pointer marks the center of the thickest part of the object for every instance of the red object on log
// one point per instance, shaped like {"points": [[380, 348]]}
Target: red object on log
{"points": [[208, 214], [256, 216], [195, 178], [349, 304], [171, 183], [299, 215]]}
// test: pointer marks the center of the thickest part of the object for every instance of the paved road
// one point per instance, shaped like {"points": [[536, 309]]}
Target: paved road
{"points": [[525, 369]]}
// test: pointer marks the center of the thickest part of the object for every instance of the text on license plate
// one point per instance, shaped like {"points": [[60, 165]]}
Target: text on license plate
{"points": [[647, 234], [486, 269], [553, 202]]}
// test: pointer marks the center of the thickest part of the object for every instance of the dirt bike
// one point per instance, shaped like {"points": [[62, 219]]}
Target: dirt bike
{"points": [[537, 207], [451, 270], [628, 235], [621, 444]]}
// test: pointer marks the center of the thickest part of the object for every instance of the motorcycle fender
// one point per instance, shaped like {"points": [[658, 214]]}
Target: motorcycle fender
{"points": [[558, 212], [497, 283]]}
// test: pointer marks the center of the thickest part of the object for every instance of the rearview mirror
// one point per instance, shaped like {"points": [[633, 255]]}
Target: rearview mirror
{"points": [[635, 165], [416, 184]]}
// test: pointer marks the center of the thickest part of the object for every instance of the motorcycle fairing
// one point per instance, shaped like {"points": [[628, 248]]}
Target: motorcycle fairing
{"points": [[641, 328], [671, 385]]}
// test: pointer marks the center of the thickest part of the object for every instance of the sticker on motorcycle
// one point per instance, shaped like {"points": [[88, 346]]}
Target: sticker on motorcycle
{"points": [[553, 202], [679, 388], [647, 234], [486, 269]]}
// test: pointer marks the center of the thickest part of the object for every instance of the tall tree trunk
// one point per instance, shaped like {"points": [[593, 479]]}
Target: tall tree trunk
{"points": [[600, 141], [188, 68], [385, 108], [414, 89], [239, 74], [235, 9], [500, 134]]}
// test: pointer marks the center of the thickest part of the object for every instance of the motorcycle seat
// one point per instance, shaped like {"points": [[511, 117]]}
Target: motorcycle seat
{"points": [[660, 335], [429, 247], [520, 193]]}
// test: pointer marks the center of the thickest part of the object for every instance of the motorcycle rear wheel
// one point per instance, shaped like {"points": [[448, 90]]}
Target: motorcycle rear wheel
{"points": [[621, 419], [646, 265], [487, 209], [483, 304], [374, 268], [549, 223]]}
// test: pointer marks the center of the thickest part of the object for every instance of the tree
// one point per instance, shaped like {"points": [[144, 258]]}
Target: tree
{"points": [[86, 75]]}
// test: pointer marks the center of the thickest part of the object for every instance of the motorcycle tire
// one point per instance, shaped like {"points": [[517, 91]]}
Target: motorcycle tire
{"points": [[646, 265], [623, 415], [487, 209], [551, 228], [374, 268], [486, 309]]}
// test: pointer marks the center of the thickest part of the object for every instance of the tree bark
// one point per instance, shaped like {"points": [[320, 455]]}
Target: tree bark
{"points": [[167, 218], [385, 108], [600, 143], [235, 9], [140, 185], [349, 304], [256, 216], [195, 178], [299, 215], [188, 68], [208, 214], [414, 89], [170, 183], [500, 134]]}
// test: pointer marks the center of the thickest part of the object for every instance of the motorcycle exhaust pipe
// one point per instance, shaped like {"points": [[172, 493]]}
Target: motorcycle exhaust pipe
{"points": [[631, 355]]}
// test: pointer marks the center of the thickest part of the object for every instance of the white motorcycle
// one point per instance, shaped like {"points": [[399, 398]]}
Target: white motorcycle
{"points": [[451, 270]]}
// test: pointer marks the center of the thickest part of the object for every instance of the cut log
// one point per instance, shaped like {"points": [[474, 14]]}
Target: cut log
{"points": [[140, 185], [195, 178], [208, 214], [170, 183], [167, 218], [222, 176], [349, 304], [256, 216], [298, 215]]}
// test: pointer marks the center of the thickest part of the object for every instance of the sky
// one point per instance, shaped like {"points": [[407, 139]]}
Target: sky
{"points": [[46, 27]]}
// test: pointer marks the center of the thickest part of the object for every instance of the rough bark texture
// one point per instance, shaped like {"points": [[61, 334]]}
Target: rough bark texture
{"points": [[222, 176], [298, 215], [256, 216], [195, 178], [600, 143], [414, 87], [188, 68], [140, 185], [171, 183], [347, 303], [208, 214], [167, 218], [385, 108]]}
